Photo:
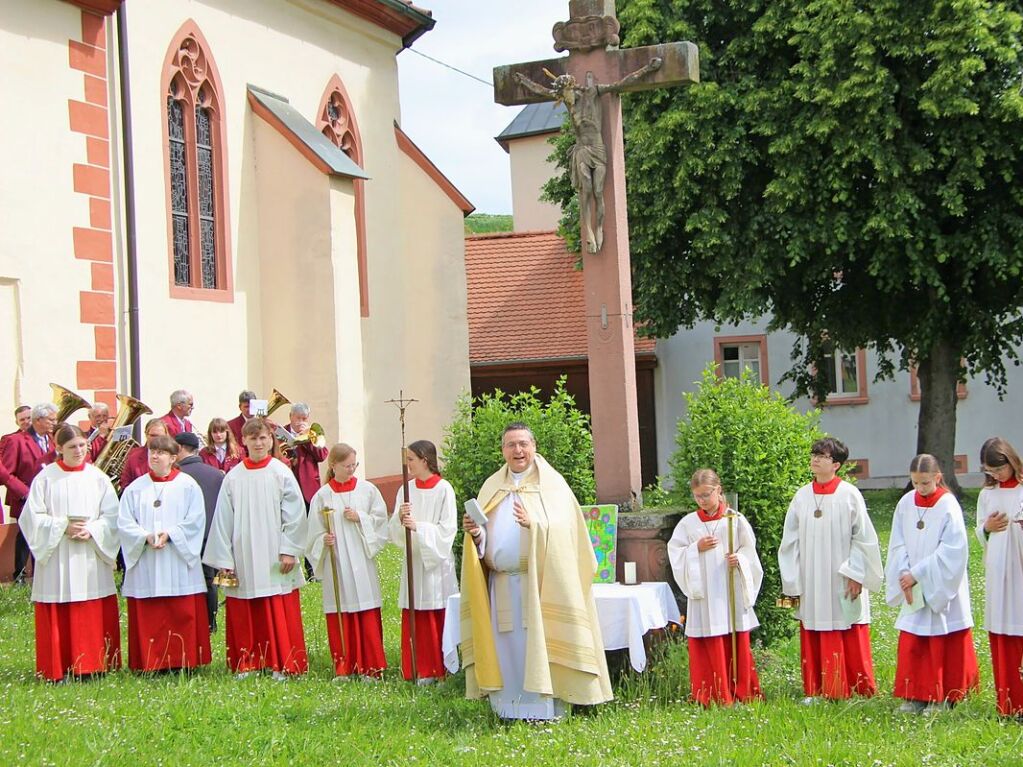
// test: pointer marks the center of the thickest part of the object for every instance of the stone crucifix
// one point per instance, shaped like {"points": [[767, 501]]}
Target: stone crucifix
{"points": [[589, 81]]}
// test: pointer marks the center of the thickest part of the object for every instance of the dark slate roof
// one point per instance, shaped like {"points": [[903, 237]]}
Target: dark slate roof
{"points": [[534, 120], [303, 131]]}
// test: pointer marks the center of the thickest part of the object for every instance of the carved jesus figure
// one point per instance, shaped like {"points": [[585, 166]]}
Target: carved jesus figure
{"points": [[588, 161]]}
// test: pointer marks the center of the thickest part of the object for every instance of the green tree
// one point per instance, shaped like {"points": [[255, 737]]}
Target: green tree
{"points": [[849, 169]]}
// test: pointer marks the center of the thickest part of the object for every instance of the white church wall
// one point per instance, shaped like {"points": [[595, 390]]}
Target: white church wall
{"points": [[427, 352], [292, 49], [40, 277], [882, 431]]}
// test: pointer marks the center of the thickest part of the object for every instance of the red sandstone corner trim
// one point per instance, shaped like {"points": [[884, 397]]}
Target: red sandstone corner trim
{"points": [[417, 156], [90, 120]]}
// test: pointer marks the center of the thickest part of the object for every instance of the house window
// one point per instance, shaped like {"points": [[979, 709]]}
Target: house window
{"points": [[734, 354], [846, 376], [196, 171]]}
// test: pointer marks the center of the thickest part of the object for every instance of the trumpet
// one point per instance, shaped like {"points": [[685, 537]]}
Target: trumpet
{"points": [[289, 444], [67, 401]]}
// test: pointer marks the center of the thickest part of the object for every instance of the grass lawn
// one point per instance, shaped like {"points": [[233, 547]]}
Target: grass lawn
{"points": [[211, 719]]}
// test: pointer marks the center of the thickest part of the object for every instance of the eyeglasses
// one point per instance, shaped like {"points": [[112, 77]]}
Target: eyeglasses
{"points": [[825, 456], [350, 466], [704, 496], [521, 445]]}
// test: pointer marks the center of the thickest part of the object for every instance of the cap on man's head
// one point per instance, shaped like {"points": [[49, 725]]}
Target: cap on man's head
{"points": [[188, 439]]}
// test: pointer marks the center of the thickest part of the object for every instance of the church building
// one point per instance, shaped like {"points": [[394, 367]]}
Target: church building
{"points": [[217, 195]]}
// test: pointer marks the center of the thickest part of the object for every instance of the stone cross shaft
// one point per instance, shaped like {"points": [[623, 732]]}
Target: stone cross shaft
{"points": [[589, 80]]}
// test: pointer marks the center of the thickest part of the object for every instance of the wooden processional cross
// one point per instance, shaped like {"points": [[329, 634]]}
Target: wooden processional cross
{"points": [[588, 82]]}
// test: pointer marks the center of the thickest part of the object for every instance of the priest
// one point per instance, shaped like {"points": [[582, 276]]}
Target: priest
{"points": [[530, 634], [830, 558], [257, 536], [161, 522]]}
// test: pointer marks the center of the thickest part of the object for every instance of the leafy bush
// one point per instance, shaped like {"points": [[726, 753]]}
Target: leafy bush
{"points": [[472, 442], [760, 447]]}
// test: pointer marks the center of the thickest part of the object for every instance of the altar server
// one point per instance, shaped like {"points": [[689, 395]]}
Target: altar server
{"points": [[830, 558], [1000, 530], [431, 516], [70, 522], [926, 578], [359, 521], [700, 560], [161, 523], [258, 535]]}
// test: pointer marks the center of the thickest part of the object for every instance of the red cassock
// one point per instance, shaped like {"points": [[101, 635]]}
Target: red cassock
{"points": [[364, 643], [1007, 660], [209, 457], [710, 670], [77, 638], [24, 459], [168, 633], [306, 468], [936, 668], [837, 664], [235, 425], [174, 426], [429, 641], [135, 465], [266, 632]]}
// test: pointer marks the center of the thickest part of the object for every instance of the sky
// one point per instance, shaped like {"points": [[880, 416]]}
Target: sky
{"points": [[454, 119]]}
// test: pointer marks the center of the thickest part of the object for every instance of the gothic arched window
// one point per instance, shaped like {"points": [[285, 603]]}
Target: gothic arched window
{"points": [[336, 121], [196, 170]]}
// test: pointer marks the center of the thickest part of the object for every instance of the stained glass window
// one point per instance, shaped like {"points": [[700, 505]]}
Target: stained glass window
{"points": [[179, 191], [207, 206]]}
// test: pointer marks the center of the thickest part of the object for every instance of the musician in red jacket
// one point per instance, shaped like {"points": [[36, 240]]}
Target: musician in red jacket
{"points": [[182, 403], [306, 455], [239, 420], [24, 456], [23, 418], [99, 417]]}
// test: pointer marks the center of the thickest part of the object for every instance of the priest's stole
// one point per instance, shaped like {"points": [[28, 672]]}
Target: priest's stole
{"points": [[602, 522]]}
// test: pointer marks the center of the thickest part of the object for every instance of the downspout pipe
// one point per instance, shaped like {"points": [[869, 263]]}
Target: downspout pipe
{"points": [[132, 267]]}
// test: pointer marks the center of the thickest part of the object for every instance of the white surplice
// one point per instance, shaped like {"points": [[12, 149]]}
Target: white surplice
{"points": [[936, 556], [818, 554], [703, 576], [355, 549], [69, 570], [503, 546], [260, 515], [433, 571], [174, 570], [1003, 560]]}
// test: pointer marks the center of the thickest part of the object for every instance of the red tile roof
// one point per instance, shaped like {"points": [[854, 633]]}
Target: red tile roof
{"points": [[517, 276]]}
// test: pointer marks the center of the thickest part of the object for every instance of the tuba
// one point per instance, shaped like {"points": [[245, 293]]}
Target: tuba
{"points": [[67, 401], [276, 401], [111, 458]]}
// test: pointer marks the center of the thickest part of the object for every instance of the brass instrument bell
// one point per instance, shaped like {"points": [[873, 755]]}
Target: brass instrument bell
{"points": [[67, 401]]}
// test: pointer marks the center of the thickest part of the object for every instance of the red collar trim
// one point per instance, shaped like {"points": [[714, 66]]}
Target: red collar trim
{"points": [[428, 484], [828, 488], [173, 473], [1009, 483], [65, 467], [705, 517], [343, 487], [928, 501], [250, 464]]}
